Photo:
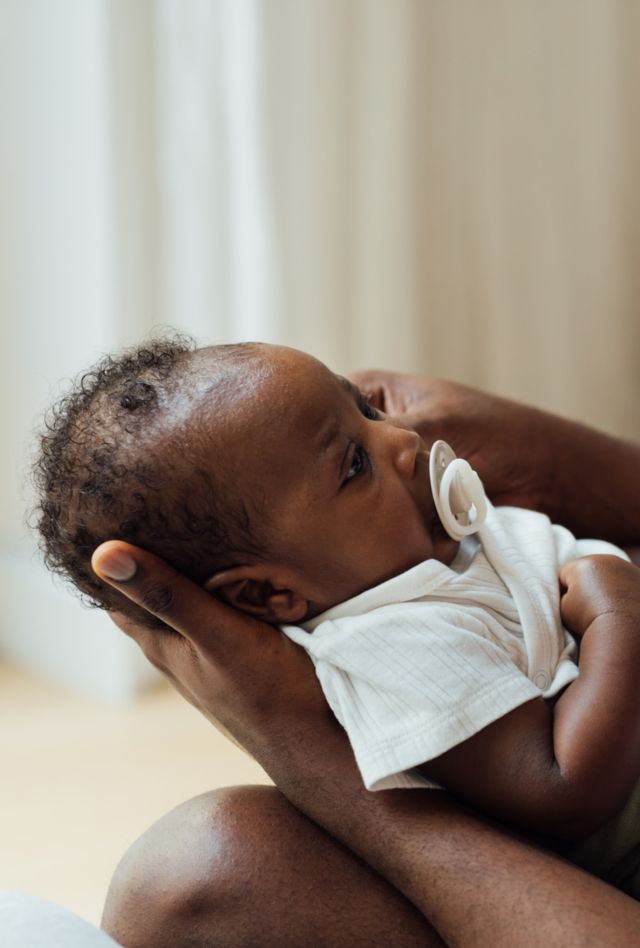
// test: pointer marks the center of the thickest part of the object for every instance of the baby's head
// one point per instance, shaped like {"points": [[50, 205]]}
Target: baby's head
{"points": [[251, 468]]}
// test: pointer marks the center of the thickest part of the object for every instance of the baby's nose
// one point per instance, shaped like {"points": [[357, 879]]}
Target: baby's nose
{"points": [[406, 446]]}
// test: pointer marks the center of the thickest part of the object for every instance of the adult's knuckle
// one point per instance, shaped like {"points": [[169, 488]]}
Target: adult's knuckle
{"points": [[158, 597]]}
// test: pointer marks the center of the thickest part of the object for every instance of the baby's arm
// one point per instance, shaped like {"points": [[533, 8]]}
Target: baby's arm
{"points": [[563, 770]]}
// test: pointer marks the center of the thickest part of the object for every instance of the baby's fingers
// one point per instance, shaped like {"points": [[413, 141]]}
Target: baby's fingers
{"points": [[567, 574], [575, 600]]}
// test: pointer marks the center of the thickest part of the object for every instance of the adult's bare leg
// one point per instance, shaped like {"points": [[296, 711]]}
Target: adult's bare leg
{"points": [[242, 867], [476, 884]]}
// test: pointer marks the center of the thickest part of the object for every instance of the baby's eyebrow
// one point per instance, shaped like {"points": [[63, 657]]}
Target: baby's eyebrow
{"points": [[349, 387], [330, 433]]}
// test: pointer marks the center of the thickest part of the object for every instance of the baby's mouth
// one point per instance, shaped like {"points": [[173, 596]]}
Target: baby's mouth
{"points": [[437, 530]]}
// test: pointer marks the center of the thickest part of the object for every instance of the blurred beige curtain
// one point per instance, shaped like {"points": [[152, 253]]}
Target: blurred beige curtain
{"points": [[445, 187]]}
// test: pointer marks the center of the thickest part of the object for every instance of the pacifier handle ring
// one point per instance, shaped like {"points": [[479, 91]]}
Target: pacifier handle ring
{"points": [[459, 474], [451, 474]]}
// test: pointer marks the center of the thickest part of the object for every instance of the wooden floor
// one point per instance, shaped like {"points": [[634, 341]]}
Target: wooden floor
{"points": [[80, 781]]}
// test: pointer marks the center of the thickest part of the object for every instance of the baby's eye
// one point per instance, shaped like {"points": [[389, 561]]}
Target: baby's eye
{"points": [[358, 463], [367, 409]]}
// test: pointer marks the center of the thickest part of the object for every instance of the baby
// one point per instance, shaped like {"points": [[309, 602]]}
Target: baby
{"points": [[275, 484]]}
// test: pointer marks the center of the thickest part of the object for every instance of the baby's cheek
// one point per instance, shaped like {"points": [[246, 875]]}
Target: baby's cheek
{"points": [[409, 543]]}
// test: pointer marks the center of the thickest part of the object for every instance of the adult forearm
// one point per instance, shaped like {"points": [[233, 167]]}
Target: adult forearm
{"points": [[475, 884], [594, 490]]}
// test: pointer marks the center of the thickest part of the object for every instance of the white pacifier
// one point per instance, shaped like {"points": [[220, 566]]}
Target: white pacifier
{"points": [[457, 491]]}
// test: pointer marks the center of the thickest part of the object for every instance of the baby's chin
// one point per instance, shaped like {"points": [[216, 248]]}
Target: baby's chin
{"points": [[444, 548], [438, 545]]}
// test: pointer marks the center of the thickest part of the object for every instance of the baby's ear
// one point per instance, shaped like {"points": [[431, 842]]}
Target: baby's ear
{"points": [[255, 590]]}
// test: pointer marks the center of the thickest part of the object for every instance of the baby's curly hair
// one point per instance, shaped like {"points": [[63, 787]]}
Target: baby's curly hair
{"points": [[118, 459]]}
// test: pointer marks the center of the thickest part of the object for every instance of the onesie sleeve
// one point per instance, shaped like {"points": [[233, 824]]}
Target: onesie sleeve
{"points": [[410, 681], [568, 548]]}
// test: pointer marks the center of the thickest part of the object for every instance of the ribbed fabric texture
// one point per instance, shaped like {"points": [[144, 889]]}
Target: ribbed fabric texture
{"points": [[427, 659]]}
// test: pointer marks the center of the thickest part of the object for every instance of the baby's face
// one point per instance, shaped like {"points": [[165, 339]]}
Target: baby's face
{"points": [[345, 488]]}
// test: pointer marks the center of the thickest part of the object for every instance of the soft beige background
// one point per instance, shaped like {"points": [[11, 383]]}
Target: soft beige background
{"points": [[447, 187], [82, 780]]}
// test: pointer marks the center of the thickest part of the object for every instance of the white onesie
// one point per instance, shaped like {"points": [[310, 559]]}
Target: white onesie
{"points": [[425, 660]]}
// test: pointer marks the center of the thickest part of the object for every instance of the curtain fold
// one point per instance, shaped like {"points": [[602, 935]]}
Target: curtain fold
{"points": [[448, 188], [425, 186]]}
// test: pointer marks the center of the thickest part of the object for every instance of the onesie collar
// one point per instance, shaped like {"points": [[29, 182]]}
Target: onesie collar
{"points": [[418, 581]]}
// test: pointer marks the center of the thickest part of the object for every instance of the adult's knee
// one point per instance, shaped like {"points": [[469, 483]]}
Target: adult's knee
{"points": [[240, 867], [188, 879]]}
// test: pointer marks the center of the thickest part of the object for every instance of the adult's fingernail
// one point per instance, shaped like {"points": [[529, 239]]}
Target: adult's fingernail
{"points": [[116, 565]]}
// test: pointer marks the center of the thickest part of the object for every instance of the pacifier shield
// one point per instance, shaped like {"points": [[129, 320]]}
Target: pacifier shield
{"points": [[457, 491]]}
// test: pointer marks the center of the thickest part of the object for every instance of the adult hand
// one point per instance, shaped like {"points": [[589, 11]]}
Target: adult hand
{"points": [[504, 441], [580, 477], [242, 674], [463, 875]]}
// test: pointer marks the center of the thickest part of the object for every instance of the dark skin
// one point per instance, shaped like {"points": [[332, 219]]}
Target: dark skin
{"points": [[346, 488], [563, 769], [551, 782], [475, 884], [260, 687], [582, 478]]}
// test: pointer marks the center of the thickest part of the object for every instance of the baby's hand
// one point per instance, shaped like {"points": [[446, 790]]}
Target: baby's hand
{"points": [[595, 586]]}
